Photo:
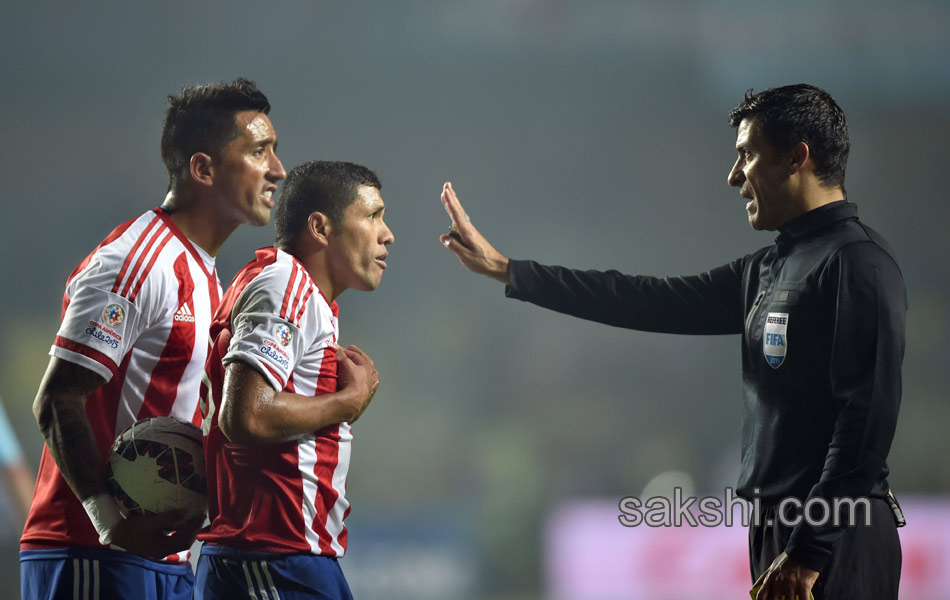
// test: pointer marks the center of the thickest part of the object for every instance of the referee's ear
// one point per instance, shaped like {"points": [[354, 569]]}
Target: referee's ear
{"points": [[798, 157]]}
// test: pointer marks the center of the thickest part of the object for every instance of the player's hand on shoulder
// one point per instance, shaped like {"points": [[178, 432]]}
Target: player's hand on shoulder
{"points": [[157, 536], [471, 248], [358, 375]]}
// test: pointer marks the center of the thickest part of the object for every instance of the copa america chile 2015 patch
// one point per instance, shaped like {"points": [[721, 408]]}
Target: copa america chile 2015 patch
{"points": [[113, 315], [775, 339], [283, 334]]}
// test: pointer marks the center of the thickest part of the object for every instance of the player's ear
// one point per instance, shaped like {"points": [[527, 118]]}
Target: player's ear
{"points": [[797, 157], [318, 228], [201, 169]]}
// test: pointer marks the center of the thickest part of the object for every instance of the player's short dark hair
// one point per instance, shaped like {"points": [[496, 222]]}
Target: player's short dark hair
{"points": [[201, 119], [801, 113], [322, 186]]}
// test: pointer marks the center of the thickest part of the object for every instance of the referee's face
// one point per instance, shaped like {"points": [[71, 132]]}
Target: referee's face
{"points": [[761, 175]]}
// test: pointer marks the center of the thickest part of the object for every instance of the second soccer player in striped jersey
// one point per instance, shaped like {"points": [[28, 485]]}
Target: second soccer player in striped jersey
{"points": [[283, 394]]}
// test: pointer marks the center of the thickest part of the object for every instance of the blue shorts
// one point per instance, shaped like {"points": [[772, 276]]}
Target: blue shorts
{"points": [[100, 574], [229, 574]]}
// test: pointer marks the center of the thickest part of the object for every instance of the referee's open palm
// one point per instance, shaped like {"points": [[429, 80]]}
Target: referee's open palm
{"points": [[471, 248]]}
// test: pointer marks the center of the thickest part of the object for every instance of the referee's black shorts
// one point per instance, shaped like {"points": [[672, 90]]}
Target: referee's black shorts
{"points": [[865, 563]]}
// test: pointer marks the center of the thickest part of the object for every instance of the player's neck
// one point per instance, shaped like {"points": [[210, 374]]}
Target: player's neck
{"points": [[197, 221], [315, 264]]}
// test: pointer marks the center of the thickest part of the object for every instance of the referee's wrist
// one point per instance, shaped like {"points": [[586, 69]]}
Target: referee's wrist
{"points": [[104, 513]]}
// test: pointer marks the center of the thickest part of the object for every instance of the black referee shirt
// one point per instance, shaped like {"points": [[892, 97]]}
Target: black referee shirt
{"points": [[821, 315]]}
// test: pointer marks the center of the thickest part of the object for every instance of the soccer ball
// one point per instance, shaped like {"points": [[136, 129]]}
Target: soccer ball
{"points": [[156, 465]]}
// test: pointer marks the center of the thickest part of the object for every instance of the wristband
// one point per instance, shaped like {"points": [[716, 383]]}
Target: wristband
{"points": [[104, 514]]}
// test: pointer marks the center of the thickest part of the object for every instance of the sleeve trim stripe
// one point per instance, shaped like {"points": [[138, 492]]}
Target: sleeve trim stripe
{"points": [[275, 374], [99, 357]]}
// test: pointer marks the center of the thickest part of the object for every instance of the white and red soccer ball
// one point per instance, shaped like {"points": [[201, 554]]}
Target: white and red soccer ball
{"points": [[157, 465]]}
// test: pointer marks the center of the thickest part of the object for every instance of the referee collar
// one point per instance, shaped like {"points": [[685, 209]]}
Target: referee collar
{"points": [[815, 220]]}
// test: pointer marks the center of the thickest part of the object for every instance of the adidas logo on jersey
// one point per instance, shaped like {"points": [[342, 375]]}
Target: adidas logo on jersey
{"points": [[184, 314]]}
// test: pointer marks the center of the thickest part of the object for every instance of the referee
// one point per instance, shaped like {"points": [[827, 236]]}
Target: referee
{"points": [[820, 315]]}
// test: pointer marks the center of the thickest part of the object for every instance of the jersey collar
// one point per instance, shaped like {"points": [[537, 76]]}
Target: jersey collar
{"points": [[204, 260], [816, 220]]}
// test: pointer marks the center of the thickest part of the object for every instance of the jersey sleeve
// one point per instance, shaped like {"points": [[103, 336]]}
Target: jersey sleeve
{"points": [[264, 337], [709, 303], [99, 326]]}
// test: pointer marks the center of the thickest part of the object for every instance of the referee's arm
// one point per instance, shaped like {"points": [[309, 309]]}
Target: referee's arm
{"points": [[864, 287]]}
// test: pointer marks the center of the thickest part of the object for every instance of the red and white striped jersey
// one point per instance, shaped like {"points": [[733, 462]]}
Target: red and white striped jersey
{"points": [[136, 311], [286, 497]]}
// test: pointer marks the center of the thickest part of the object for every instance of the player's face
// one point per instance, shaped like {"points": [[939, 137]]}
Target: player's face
{"points": [[247, 170], [357, 251], [761, 175]]}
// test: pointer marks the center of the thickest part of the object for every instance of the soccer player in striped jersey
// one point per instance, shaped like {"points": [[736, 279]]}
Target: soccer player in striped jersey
{"points": [[133, 343], [283, 394]]}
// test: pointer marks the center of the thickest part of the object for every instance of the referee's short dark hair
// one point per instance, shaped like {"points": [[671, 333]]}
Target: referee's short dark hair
{"points": [[200, 118], [322, 186], [801, 113]]}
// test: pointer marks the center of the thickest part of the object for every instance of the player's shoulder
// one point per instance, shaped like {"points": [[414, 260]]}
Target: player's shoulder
{"points": [[146, 242], [147, 256], [274, 281], [112, 257], [275, 271], [115, 247]]}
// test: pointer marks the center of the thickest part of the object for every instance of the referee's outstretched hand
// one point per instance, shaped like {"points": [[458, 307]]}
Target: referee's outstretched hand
{"points": [[467, 243]]}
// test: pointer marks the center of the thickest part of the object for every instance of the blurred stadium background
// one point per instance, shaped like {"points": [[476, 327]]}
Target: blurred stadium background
{"points": [[591, 134]]}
